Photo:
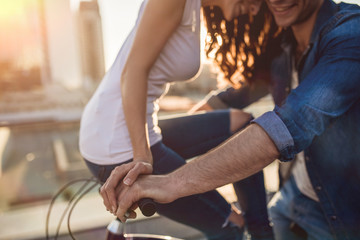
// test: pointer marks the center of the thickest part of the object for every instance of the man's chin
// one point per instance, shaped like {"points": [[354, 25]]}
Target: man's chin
{"points": [[284, 23]]}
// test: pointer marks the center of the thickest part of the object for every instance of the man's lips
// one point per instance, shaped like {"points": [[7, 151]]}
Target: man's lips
{"points": [[282, 8]]}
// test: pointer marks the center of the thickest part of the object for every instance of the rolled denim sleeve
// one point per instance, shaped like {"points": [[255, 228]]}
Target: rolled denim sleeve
{"points": [[330, 88], [278, 132]]}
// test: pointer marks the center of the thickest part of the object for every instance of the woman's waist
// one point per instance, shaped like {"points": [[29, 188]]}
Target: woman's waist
{"points": [[111, 149]]}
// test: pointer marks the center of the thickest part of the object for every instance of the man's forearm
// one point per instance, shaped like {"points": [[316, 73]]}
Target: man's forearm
{"points": [[243, 155]]}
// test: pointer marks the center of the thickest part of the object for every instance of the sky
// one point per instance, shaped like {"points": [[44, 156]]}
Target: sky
{"points": [[118, 18]]}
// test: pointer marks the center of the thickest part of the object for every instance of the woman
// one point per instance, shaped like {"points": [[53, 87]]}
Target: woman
{"points": [[119, 124]]}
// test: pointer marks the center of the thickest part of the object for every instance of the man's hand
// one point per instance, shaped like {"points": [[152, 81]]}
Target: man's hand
{"points": [[159, 188], [126, 173]]}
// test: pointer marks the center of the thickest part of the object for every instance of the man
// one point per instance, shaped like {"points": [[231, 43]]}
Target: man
{"points": [[318, 120]]}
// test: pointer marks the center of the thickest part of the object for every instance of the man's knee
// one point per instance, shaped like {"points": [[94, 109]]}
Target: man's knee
{"points": [[274, 206], [238, 119]]}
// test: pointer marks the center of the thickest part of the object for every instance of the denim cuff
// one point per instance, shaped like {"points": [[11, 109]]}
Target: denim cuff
{"points": [[215, 102], [278, 132]]}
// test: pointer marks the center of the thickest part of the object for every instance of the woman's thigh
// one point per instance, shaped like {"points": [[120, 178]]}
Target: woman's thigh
{"points": [[102, 172], [165, 161], [192, 135]]}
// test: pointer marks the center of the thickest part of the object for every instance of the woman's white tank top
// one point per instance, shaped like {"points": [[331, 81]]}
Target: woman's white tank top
{"points": [[104, 137]]}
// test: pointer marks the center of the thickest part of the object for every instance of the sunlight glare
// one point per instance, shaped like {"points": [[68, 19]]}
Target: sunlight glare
{"points": [[11, 9]]}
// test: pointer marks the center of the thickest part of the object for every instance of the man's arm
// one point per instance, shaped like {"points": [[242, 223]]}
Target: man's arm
{"points": [[243, 155], [234, 98]]}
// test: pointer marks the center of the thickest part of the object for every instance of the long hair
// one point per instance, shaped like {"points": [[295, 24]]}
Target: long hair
{"points": [[235, 46]]}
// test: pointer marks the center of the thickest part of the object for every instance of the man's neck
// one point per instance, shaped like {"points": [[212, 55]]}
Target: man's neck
{"points": [[302, 31]]}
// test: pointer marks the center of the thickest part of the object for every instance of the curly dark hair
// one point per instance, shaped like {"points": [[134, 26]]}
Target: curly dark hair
{"points": [[236, 45]]}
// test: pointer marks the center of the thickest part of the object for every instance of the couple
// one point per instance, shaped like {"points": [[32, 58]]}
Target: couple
{"points": [[316, 54]]}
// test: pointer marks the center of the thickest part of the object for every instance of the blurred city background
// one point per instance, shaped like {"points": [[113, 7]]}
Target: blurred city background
{"points": [[53, 54]]}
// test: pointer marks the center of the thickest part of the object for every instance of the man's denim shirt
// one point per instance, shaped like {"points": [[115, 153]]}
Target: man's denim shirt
{"points": [[322, 115]]}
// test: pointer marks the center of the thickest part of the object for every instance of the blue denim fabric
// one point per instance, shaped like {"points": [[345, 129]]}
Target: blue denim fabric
{"points": [[278, 132], [322, 115], [252, 198], [290, 205], [193, 135], [246, 95]]}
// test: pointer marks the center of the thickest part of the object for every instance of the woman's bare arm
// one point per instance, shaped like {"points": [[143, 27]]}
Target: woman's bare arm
{"points": [[159, 21]]}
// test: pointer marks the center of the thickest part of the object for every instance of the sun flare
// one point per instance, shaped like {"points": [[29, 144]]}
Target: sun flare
{"points": [[11, 8]]}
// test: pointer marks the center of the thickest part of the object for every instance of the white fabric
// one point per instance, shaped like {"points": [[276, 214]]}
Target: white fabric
{"points": [[302, 178], [104, 137], [299, 171]]}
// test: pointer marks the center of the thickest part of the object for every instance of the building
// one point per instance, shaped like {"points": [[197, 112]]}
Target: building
{"points": [[62, 44], [44, 42], [51, 59], [20, 45], [91, 43]]}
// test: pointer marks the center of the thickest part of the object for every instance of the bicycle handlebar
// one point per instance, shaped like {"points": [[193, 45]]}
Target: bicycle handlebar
{"points": [[147, 207]]}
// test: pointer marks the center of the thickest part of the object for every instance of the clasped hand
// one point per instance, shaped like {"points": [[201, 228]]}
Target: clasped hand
{"points": [[118, 185]]}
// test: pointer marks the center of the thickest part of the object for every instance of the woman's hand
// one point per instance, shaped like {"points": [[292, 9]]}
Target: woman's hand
{"points": [[126, 173], [139, 168]]}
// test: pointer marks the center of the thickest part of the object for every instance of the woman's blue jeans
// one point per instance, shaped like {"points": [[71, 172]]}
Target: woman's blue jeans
{"points": [[189, 136]]}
